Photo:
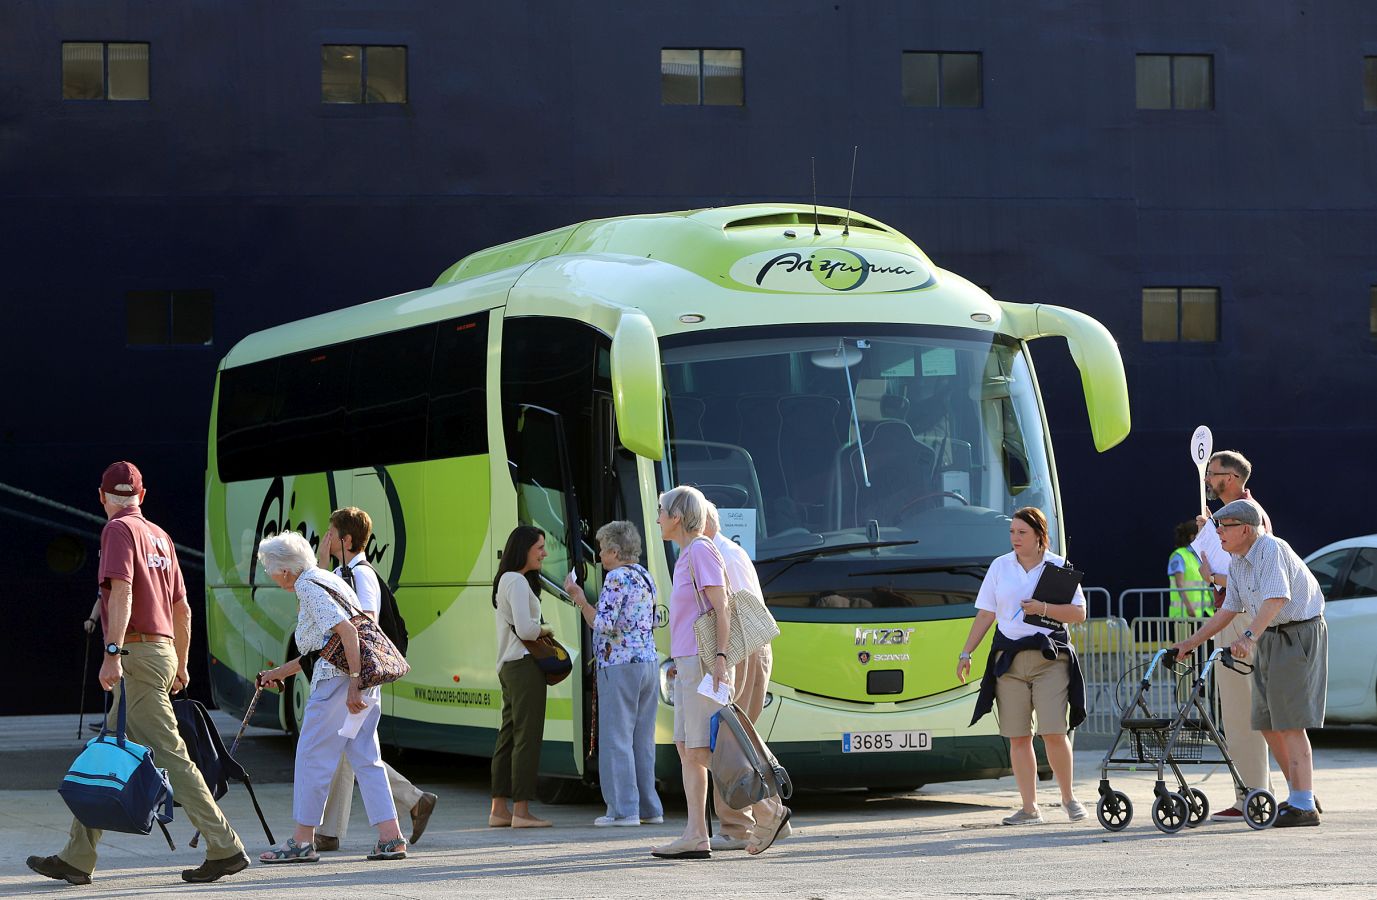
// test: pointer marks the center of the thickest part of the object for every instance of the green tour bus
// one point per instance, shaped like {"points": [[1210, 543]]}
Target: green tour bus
{"points": [[865, 422]]}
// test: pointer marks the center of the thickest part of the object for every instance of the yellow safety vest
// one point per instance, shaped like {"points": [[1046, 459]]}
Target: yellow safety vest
{"points": [[1191, 576]]}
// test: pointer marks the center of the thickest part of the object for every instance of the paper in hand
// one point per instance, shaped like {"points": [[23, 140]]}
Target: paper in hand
{"points": [[354, 721], [722, 696]]}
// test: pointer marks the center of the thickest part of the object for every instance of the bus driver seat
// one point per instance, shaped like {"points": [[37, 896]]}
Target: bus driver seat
{"points": [[900, 468]]}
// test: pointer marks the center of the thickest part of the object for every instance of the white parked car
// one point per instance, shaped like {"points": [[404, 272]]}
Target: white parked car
{"points": [[1347, 573]]}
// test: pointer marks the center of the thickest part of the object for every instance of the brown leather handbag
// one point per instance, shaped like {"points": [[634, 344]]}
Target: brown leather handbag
{"points": [[550, 655]]}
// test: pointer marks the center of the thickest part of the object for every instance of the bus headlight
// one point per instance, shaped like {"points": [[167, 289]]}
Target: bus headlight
{"points": [[769, 698], [666, 683]]}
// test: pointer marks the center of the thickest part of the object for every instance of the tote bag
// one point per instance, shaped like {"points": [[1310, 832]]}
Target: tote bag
{"points": [[751, 625], [380, 662]]}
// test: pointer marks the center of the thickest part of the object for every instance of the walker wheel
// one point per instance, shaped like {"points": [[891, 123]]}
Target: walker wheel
{"points": [[1169, 813], [1114, 811], [1199, 807], [1260, 809]]}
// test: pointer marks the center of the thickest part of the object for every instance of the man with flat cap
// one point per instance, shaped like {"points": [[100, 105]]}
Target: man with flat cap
{"points": [[1287, 641], [147, 625]]}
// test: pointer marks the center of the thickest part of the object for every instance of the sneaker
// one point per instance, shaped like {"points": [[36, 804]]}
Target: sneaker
{"points": [[652, 820], [1023, 817], [1075, 810], [727, 842], [1295, 818], [1231, 814], [610, 822]]}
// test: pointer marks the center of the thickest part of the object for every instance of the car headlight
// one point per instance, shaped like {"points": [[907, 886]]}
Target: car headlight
{"points": [[666, 683]]}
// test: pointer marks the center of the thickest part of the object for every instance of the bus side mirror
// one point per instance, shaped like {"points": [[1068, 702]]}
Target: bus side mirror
{"points": [[637, 388], [1096, 355]]}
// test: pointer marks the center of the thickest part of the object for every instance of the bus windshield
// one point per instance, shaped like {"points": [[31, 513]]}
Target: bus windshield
{"points": [[909, 444]]}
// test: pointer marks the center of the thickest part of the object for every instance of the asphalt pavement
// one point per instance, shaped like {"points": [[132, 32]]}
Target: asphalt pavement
{"points": [[942, 841]]}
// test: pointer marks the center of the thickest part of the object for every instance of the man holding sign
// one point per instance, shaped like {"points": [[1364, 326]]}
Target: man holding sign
{"points": [[1226, 475]]}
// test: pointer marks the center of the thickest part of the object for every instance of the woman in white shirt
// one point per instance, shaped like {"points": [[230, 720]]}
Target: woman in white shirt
{"points": [[1031, 668], [516, 758]]}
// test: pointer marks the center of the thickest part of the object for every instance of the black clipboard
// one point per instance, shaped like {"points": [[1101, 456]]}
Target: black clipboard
{"points": [[1057, 584]]}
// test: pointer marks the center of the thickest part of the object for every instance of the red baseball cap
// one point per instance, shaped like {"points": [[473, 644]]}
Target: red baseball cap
{"points": [[122, 479]]}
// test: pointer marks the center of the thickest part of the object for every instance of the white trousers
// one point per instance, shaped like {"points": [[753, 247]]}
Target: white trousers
{"points": [[320, 746]]}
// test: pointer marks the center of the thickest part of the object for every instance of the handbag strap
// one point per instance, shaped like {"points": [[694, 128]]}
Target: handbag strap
{"points": [[693, 577], [120, 722], [348, 607]]}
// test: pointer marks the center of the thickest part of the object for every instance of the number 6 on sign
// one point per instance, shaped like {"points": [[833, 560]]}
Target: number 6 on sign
{"points": [[1202, 445]]}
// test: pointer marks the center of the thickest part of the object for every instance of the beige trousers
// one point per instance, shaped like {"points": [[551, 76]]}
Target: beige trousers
{"points": [[1247, 747], [752, 678], [341, 798], [148, 673]]}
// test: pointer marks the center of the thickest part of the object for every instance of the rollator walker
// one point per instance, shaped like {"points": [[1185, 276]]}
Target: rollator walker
{"points": [[1146, 740]]}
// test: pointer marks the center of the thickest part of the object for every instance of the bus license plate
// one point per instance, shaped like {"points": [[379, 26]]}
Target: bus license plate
{"points": [[885, 741]]}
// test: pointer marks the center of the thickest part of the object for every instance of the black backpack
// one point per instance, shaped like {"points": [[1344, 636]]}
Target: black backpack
{"points": [[208, 752], [389, 614]]}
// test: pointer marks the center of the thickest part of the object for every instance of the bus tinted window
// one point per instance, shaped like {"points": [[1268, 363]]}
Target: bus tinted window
{"points": [[399, 397], [388, 390], [458, 422], [310, 429]]}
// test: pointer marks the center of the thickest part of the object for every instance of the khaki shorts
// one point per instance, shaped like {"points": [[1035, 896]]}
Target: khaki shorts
{"points": [[1033, 683], [1292, 677], [692, 711]]}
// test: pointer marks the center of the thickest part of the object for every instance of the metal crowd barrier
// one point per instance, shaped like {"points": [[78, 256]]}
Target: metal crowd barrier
{"points": [[1112, 646]]}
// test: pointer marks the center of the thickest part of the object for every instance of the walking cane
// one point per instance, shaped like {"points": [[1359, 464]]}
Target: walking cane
{"points": [[85, 667], [253, 704]]}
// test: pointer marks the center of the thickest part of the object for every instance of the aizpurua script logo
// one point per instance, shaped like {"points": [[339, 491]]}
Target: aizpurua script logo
{"points": [[826, 270]]}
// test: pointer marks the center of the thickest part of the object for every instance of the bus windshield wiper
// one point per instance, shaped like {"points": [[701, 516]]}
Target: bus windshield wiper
{"points": [[812, 552], [974, 569]]}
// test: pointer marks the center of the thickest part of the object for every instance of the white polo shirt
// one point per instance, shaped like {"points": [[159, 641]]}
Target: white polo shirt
{"points": [[1007, 585], [365, 585]]}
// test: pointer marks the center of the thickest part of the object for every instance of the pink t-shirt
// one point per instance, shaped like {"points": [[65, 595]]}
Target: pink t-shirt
{"points": [[684, 605], [135, 550]]}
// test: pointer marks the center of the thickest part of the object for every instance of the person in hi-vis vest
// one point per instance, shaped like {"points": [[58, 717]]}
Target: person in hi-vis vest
{"points": [[1190, 596]]}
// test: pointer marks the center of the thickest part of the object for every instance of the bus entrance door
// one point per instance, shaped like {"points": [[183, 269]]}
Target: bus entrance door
{"points": [[547, 499]]}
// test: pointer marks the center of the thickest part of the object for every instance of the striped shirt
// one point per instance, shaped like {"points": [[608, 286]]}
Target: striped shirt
{"points": [[1271, 569]]}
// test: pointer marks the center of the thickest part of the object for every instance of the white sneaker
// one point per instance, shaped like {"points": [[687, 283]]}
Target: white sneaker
{"points": [[652, 820], [724, 842], [1075, 810], [1023, 817], [609, 822]]}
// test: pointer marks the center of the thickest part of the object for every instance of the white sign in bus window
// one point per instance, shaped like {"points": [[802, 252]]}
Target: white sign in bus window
{"points": [[739, 525], [939, 361]]}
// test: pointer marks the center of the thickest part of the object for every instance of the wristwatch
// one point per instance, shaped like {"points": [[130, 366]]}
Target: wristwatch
{"points": [[112, 649], [1248, 633], [353, 674], [964, 656]]}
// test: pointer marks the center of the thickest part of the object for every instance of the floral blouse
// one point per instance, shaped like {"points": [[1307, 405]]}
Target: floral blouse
{"points": [[317, 615], [622, 626]]}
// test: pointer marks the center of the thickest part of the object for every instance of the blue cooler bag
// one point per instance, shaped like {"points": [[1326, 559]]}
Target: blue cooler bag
{"points": [[114, 786]]}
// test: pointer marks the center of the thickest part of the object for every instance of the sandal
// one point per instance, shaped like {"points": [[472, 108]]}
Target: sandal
{"points": [[763, 839], [684, 848], [393, 849], [290, 852]]}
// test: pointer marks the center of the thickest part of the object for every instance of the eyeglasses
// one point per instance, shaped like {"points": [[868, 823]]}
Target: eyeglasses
{"points": [[1217, 474], [1220, 526]]}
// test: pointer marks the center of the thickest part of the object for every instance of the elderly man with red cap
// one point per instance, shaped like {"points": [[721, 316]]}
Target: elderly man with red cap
{"points": [[147, 625]]}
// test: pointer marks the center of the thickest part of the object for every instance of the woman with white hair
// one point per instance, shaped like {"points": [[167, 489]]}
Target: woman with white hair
{"points": [[700, 577], [623, 620], [324, 606]]}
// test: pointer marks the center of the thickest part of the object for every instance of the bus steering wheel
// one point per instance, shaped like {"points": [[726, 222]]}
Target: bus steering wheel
{"points": [[935, 495]]}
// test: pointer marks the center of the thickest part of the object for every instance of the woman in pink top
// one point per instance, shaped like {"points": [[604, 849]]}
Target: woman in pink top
{"points": [[682, 515]]}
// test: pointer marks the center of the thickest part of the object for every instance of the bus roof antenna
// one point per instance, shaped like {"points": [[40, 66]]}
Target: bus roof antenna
{"points": [[850, 192], [813, 160]]}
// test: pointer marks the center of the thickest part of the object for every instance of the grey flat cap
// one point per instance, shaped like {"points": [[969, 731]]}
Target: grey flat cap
{"points": [[1245, 511]]}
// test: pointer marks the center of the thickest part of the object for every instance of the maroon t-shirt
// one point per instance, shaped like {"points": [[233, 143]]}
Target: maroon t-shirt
{"points": [[135, 550]]}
